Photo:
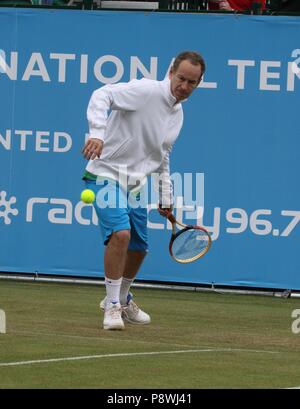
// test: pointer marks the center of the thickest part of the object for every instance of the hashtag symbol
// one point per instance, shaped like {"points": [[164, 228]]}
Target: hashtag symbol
{"points": [[7, 207]]}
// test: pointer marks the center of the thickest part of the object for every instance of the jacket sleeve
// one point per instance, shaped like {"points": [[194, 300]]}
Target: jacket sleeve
{"points": [[122, 96], [164, 184]]}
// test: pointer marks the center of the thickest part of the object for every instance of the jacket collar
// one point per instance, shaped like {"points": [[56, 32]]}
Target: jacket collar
{"points": [[170, 97]]}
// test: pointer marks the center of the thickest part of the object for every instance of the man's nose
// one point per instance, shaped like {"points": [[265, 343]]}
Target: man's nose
{"points": [[185, 85]]}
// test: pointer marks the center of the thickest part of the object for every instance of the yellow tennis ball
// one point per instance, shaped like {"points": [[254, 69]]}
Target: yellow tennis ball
{"points": [[87, 196]]}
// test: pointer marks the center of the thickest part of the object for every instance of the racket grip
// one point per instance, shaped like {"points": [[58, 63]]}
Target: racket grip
{"points": [[171, 218]]}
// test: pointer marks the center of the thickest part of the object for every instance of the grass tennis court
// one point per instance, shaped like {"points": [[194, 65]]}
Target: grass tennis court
{"points": [[196, 340]]}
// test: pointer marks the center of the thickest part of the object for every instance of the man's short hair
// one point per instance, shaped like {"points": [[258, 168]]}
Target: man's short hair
{"points": [[193, 57]]}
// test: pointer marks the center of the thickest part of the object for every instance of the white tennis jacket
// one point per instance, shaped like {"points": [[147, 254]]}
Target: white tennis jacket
{"points": [[138, 122]]}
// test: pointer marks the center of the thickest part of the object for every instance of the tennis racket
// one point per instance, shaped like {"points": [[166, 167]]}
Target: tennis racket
{"points": [[188, 244]]}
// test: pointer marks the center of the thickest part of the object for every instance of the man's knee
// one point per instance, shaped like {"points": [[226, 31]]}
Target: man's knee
{"points": [[121, 237]]}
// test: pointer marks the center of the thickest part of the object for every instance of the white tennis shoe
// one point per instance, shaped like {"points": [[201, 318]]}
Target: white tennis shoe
{"points": [[131, 312], [113, 317], [134, 315]]}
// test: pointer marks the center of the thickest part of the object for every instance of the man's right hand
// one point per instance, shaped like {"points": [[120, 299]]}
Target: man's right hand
{"points": [[164, 211], [92, 148]]}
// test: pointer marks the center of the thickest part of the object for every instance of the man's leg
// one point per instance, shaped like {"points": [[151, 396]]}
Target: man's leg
{"points": [[114, 264], [130, 311], [138, 245], [134, 260], [137, 251], [133, 263], [115, 228]]}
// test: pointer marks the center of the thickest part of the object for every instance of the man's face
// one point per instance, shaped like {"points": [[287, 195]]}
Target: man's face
{"points": [[185, 79]]}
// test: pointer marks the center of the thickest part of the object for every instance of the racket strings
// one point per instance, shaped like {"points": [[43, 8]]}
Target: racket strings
{"points": [[190, 244]]}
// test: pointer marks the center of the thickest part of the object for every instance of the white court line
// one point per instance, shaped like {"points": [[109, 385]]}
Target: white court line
{"points": [[80, 358]]}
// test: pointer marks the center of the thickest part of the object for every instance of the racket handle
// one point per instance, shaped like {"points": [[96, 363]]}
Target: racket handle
{"points": [[171, 218]]}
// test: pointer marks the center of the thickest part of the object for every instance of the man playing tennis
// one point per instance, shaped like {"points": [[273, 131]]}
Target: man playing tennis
{"points": [[129, 144]]}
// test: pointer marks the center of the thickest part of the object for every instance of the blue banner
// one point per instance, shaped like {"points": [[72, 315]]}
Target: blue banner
{"points": [[240, 141]]}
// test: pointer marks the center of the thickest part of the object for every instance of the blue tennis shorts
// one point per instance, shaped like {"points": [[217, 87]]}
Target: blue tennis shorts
{"points": [[115, 212]]}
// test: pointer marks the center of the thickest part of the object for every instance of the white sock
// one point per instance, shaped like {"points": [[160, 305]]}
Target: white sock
{"points": [[112, 290], [126, 283]]}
